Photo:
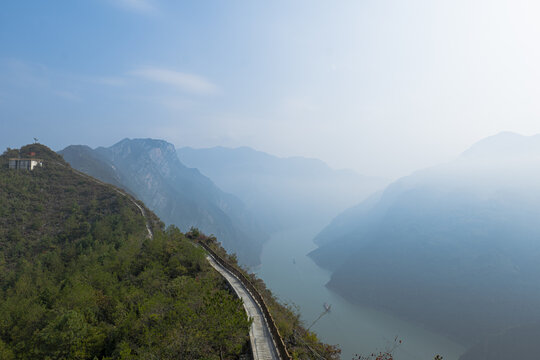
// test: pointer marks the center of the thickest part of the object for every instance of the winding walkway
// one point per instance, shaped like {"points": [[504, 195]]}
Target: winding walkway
{"points": [[262, 345]]}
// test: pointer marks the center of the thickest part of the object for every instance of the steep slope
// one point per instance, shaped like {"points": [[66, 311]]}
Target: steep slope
{"points": [[150, 169], [80, 279], [89, 161], [454, 247], [282, 192]]}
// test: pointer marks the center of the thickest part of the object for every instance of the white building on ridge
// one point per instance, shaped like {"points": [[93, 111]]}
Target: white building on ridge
{"points": [[24, 164]]}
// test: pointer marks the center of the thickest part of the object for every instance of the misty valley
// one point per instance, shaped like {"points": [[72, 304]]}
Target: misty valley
{"points": [[450, 253], [270, 180]]}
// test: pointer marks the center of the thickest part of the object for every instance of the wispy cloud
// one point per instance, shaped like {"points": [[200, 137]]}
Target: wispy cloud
{"points": [[141, 6], [186, 82]]}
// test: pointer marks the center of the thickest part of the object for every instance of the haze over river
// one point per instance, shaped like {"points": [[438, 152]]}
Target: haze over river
{"points": [[295, 278]]}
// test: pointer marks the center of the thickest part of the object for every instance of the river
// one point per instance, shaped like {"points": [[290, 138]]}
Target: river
{"points": [[296, 279]]}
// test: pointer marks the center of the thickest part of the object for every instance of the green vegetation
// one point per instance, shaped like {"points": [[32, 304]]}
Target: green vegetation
{"points": [[79, 279], [150, 169], [300, 343]]}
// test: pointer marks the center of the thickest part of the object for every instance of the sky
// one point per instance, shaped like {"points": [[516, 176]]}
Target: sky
{"points": [[382, 87]]}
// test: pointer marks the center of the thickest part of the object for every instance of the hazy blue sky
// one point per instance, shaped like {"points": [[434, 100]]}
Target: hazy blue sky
{"points": [[383, 87]]}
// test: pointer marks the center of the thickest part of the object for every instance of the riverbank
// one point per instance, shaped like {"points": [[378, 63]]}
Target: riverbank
{"points": [[295, 278]]}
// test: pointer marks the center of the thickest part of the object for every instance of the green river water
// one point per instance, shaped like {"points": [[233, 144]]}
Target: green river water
{"points": [[295, 278]]}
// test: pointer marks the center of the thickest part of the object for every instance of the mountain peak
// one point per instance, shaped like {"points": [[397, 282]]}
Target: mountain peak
{"points": [[505, 145], [158, 150], [146, 142], [151, 170]]}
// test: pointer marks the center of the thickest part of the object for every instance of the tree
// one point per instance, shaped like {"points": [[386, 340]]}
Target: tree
{"points": [[226, 322]]}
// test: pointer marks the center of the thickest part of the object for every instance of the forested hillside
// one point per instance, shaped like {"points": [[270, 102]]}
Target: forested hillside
{"points": [[80, 279], [299, 341], [454, 247], [150, 169]]}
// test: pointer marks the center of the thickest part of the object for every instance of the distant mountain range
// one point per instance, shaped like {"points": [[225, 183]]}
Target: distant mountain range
{"points": [[150, 169], [455, 247], [241, 195], [281, 192]]}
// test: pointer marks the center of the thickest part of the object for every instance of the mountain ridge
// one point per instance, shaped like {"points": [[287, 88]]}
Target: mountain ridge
{"points": [[282, 192], [180, 195], [454, 241], [80, 278]]}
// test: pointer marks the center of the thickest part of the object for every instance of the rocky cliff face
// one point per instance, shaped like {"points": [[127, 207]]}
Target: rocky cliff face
{"points": [[151, 170]]}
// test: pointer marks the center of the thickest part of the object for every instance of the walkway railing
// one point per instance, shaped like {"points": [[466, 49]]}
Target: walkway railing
{"points": [[278, 340]]}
